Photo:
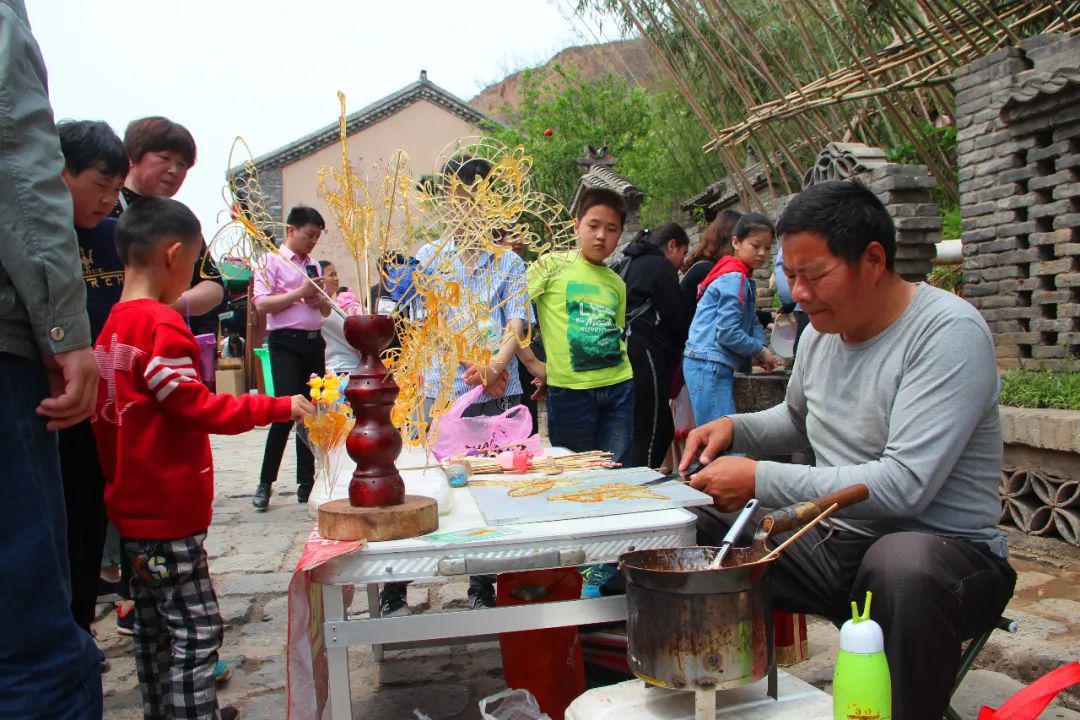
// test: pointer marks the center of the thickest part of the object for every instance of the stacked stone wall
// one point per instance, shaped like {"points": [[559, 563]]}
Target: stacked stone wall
{"points": [[1018, 131]]}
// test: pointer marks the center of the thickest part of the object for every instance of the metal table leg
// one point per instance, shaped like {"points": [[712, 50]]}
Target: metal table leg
{"points": [[374, 611], [337, 655]]}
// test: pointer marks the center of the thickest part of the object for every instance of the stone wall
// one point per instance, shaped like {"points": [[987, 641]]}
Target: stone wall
{"points": [[1018, 122]]}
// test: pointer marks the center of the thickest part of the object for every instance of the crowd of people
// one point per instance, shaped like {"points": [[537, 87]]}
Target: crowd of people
{"points": [[106, 280]]}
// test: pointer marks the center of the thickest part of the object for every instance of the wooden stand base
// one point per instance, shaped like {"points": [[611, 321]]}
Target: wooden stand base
{"points": [[339, 520]]}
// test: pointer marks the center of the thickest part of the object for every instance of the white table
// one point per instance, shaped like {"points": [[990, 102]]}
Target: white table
{"points": [[562, 543], [634, 700]]}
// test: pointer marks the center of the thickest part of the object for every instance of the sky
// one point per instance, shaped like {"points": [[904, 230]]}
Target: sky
{"points": [[269, 70]]}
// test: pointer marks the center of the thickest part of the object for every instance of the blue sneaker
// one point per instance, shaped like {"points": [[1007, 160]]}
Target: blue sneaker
{"points": [[595, 576], [222, 671]]}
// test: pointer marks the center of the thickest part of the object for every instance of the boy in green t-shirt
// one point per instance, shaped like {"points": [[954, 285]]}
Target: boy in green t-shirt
{"points": [[581, 304]]}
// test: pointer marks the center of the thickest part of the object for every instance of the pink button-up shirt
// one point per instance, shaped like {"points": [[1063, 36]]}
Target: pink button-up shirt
{"points": [[276, 277]]}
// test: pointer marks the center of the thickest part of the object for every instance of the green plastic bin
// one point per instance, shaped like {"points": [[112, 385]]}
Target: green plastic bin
{"points": [[268, 377]]}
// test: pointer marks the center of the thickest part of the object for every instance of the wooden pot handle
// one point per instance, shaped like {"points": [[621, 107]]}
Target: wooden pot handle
{"points": [[793, 516], [843, 498]]}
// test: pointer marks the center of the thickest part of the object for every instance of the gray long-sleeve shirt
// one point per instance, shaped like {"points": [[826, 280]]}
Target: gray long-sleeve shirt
{"points": [[42, 295], [911, 413]]}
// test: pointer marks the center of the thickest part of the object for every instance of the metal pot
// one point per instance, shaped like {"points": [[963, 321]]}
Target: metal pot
{"points": [[692, 628]]}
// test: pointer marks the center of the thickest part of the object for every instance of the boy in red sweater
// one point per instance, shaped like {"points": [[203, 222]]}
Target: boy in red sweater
{"points": [[152, 424]]}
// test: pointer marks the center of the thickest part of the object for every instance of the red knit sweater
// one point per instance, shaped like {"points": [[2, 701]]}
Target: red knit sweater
{"points": [[153, 419]]}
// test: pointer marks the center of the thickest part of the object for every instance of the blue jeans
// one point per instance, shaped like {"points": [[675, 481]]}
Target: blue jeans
{"points": [[710, 385], [49, 666], [597, 419]]}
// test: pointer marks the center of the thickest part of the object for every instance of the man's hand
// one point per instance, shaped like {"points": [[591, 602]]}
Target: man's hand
{"points": [[706, 442], [729, 480], [73, 380], [307, 290], [494, 383], [301, 407]]}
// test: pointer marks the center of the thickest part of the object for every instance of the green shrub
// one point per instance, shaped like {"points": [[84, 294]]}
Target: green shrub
{"points": [[1026, 388]]}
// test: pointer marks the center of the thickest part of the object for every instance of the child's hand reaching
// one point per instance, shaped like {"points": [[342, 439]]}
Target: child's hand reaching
{"points": [[768, 360], [301, 407]]}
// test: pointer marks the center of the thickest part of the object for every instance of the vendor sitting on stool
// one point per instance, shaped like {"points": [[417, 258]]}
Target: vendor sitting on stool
{"points": [[895, 386]]}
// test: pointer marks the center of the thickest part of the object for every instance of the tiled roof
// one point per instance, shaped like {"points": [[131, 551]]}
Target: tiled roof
{"points": [[722, 192], [1030, 85], [602, 176], [422, 89]]}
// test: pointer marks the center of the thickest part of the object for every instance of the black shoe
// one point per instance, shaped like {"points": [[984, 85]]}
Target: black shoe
{"points": [[108, 591], [392, 600], [261, 498], [303, 492], [484, 597], [228, 713]]}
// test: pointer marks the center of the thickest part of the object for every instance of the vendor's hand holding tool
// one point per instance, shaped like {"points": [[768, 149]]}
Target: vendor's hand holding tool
{"points": [[729, 480], [707, 442], [682, 476]]}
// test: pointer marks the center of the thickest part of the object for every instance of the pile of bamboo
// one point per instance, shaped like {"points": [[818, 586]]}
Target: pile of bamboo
{"points": [[1041, 504], [789, 76]]}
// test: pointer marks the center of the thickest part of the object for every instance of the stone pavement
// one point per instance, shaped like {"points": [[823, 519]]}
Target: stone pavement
{"points": [[252, 556]]}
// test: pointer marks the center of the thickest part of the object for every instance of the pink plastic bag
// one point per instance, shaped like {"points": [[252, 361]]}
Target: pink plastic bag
{"points": [[459, 435]]}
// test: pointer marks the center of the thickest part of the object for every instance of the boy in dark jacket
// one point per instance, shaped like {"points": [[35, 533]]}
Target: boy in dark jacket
{"points": [[657, 321]]}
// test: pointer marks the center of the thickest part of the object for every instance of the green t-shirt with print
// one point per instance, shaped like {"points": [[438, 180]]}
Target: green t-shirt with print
{"points": [[582, 309]]}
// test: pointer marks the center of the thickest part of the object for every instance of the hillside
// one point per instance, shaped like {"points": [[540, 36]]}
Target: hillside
{"points": [[629, 58]]}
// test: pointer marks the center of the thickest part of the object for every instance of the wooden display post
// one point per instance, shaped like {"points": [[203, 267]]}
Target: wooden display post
{"points": [[377, 508]]}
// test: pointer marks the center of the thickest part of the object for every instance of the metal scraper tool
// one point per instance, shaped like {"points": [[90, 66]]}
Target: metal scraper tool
{"points": [[677, 476]]}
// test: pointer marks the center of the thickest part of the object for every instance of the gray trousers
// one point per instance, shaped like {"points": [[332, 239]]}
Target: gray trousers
{"points": [[930, 595]]}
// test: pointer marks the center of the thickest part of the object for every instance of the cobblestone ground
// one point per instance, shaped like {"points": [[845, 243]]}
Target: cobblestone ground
{"points": [[252, 556]]}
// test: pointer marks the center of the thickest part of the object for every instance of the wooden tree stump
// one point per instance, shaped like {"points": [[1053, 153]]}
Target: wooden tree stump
{"points": [[417, 515]]}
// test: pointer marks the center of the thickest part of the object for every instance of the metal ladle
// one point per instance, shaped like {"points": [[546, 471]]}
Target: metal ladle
{"points": [[733, 534]]}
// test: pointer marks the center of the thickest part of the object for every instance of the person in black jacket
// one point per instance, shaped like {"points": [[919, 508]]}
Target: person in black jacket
{"points": [[657, 321]]}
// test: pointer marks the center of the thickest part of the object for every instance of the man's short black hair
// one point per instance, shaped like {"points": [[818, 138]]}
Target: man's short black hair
{"points": [[92, 144], [467, 169], [150, 221], [847, 214], [301, 215], [602, 196]]}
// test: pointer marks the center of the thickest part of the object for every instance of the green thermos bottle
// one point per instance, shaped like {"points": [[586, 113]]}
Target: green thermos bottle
{"points": [[862, 689]]}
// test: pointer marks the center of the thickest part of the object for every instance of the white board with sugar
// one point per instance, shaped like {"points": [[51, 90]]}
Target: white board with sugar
{"points": [[500, 508]]}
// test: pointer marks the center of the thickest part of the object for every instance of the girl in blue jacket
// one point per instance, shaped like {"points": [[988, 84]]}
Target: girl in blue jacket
{"points": [[725, 333]]}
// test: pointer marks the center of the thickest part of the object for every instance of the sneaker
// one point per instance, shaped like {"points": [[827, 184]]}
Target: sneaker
{"points": [[483, 598], [228, 713], [222, 672], [392, 600], [595, 576], [261, 498], [125, 619]]}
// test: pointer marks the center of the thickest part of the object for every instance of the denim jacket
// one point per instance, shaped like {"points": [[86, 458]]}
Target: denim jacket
{"points": [[42, 294], [725, 329]]}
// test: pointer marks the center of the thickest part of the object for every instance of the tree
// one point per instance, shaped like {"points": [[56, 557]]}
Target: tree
{"points": [[655, 137]]}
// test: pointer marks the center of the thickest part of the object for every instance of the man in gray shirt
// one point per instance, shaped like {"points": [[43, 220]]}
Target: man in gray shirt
{"points": [[895, 387]]}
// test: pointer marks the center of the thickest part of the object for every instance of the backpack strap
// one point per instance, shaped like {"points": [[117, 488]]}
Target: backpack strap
{"points": [[641, 309]]}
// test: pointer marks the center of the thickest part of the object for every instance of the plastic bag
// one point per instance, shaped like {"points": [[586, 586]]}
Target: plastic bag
{"points": [[511, 705], [474, 435], [1029, 703]]}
